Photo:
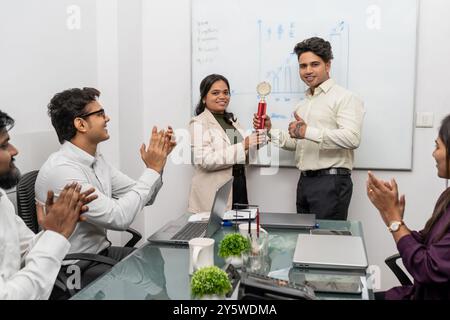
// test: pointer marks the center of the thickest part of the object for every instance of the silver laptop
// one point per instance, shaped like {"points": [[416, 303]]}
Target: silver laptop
{"points": [[180, 231], [330, 252], [287, 220]]}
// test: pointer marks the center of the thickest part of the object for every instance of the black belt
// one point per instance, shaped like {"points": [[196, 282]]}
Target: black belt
{"points": [[238, 170], [326, 172]]}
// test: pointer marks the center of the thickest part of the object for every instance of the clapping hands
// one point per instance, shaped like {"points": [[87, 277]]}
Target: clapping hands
{"points": [[62, 215], [384, 196], [160, 146]]}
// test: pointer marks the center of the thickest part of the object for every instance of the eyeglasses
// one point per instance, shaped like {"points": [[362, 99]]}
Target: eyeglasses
{"points": [[100, 112]]}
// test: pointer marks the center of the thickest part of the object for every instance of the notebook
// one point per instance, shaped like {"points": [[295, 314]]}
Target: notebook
{"points": [[287, 220], [180, 231], [330, 252]]}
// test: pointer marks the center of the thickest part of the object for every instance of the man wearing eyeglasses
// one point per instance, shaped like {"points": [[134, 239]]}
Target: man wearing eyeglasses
{"points": [[81, 124]]}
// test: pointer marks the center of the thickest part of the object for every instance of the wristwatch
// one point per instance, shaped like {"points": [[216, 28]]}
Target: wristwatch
{"points": [[394, 226]]}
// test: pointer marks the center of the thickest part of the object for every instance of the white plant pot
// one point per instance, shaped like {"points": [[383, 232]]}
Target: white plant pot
{"points": [[212, 297], [236, 261]]}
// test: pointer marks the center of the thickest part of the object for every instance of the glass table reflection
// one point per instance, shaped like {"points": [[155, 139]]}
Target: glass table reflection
{"points": [[155, 271]]}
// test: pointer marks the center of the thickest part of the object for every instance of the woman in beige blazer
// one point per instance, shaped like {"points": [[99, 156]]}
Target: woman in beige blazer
{"points": [[218, 146]]}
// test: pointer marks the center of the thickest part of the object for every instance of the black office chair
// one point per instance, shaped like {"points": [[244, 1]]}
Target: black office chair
{"points": [[395, 268], [26, 206]]}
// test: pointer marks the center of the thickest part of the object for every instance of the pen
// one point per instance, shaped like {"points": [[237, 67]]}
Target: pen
{"points": [[257, 223], [249, 225]]}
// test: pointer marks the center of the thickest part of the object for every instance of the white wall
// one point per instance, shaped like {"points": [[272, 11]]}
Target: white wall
{"points": [[141, 63], [166, 86], [41, 55], [130, 92], [47, 48], [154, 89]]}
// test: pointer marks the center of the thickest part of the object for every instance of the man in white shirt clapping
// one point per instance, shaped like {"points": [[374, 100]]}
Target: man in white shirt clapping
{"points": [[29, 263], [81, 124]]}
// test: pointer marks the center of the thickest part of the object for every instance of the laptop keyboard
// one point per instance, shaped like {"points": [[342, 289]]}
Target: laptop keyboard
{"points": [[190, 231]]}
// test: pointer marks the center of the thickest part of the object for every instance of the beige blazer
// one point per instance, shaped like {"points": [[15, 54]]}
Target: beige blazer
{"points": [[213, 157]]}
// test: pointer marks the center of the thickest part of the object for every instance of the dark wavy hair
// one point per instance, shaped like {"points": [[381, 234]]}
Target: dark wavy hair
{"points": [[66, 106], [6, 122], [205, 86], [318, 46], [444, 199]]}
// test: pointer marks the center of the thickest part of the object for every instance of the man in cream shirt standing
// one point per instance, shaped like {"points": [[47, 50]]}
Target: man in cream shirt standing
{"points": [[29, 263], [326, 130]]}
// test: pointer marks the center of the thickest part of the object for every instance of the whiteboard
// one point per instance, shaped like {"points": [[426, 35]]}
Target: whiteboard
{"points": [[374, 47]]}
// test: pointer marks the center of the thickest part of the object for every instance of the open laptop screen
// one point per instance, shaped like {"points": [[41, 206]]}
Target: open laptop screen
{"points": [[218, 208]]}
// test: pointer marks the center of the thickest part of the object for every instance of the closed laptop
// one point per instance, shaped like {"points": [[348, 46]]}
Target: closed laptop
{"points": [[330, 252], [287, 220]]}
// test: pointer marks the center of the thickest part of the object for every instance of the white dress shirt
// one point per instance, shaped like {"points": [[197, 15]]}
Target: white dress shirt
{"points": [[334, 118], [29, 263], [120, 198]]}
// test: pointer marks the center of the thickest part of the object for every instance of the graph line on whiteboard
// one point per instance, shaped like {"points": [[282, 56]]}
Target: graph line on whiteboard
{"points": [[283, 75], [276, 63], [340, 43]]}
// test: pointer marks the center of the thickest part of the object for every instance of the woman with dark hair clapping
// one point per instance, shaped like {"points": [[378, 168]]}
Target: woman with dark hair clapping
{"points": [[425, 254]]}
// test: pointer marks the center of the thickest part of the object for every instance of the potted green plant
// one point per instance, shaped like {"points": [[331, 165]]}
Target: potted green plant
{"points": [[210, 283], [231, 248]]}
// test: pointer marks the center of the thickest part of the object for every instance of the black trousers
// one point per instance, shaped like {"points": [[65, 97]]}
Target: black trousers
{"points": [[95, 270], [239, 190], [92, 270], [380, 295], [326, 196]]}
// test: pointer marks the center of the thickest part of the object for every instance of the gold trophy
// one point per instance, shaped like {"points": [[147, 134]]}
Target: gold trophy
{"points": [[263, 90]]}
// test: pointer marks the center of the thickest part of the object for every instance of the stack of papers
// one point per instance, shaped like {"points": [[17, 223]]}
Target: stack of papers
{"points": [[241, 214]]}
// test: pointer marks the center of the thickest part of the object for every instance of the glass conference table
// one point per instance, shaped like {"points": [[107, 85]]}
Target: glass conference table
{"points": [[157, 271]]}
